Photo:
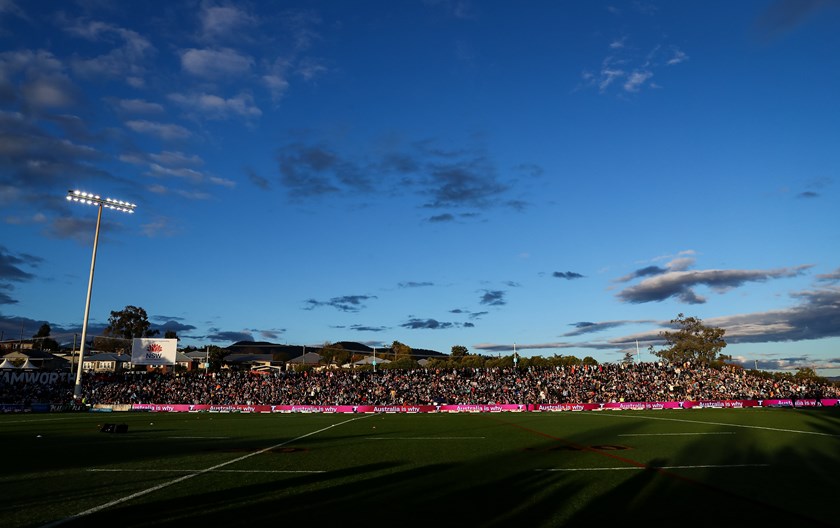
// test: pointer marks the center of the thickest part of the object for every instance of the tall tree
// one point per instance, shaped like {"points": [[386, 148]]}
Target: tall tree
{"points": [[400, 350], [692, 341], [334, 353], [129, 323], [459, 351], [45, 342]]}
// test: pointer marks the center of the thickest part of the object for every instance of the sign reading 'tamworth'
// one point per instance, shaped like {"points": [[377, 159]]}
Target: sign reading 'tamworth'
{"points": [[150, 351]]}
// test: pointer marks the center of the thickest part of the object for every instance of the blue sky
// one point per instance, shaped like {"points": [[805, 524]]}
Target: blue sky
{"points": [[563, 176]]}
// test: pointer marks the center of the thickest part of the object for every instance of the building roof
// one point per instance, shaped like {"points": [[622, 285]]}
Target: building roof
{"points": [[310, 358], [109, 356], [368, 360]]}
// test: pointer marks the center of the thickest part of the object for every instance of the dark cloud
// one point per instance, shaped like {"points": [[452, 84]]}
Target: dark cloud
{"points": [[347, 303], [427, 324], [173, 326], [569, 275], [644, 272], [256, 179], [471, 315], [783, 16], [585, 327], [493, 298], [834, 276], [680, 284], [165, 318], [399, 163], [271, 334], [446, 217], [11, 270], [362, 328], [815, 317], [411, 284], [15, 327], [316, 170], [470, 183], [530, 170], [808, 194], [520, 347], [218, 336], [11, 266], [461, 178]]}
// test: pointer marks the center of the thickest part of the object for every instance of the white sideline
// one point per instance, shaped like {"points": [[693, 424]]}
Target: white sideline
{"points": [[744, 426], [197, 473]]}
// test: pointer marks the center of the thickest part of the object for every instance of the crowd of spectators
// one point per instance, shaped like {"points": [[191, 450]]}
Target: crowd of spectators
{"points": [[618, 382]]}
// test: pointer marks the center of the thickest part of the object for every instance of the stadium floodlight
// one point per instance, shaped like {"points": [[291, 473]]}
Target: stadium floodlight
{"points": [[118, 205]]}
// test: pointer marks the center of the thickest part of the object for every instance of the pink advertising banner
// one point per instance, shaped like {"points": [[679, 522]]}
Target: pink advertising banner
{"points": [[542, 407]]}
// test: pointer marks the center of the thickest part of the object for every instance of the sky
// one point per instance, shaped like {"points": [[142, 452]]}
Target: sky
{"points": [[558, 177]]}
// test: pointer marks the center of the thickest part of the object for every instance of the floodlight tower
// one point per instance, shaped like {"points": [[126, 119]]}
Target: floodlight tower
{"points": [[110, 203]]}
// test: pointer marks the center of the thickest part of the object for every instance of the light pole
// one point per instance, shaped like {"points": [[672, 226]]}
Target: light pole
{"points": [[110, 203], [515, 357]]}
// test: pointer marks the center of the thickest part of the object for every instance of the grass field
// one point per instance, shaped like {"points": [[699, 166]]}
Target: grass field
{"points": [[709, 467]]}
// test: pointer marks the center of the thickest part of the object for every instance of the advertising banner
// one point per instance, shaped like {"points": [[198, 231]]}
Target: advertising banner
{"points": [[151, 351]]}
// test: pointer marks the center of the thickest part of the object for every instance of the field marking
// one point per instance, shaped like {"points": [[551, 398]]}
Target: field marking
{"points": [[636, 468], [664, 471], [199, 437], [197, 470], [425, 438], [36, 420], [776, 429], [197, 473], [678, 434]]}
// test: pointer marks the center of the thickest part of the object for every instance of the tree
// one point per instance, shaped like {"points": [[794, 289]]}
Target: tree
{"points": [[216, 357], [692, 342], [459, 351], [807, 373], [45, 342], [400, 350], [335, 353], [171, 334], [130, 323]]}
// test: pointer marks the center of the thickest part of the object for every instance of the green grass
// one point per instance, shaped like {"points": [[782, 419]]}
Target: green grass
{"points": [[713, 467]]}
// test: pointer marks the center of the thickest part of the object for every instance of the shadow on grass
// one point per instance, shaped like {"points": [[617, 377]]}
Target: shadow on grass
{"points": [[738, 479]]}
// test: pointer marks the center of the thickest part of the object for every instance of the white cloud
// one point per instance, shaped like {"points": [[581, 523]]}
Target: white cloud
{"points": [[161, 130], [139, 106], [223, 21], [215, 63], [48, 92], [636, 80], [677, 58], [215, 107], [176, 159]]}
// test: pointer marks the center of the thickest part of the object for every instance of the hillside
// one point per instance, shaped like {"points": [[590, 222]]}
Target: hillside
{"points": [[287, 352]]}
